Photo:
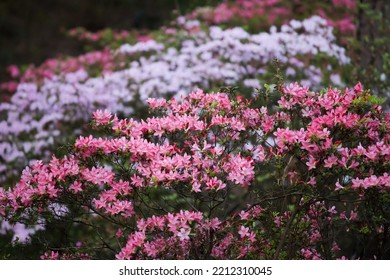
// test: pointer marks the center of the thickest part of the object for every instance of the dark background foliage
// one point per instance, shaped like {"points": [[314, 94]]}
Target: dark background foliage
{"points": [[32, 31]]}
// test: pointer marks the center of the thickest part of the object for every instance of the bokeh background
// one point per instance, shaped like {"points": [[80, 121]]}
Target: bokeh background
{"points": [[32, 31]]}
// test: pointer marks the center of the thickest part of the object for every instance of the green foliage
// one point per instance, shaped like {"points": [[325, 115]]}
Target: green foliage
{"points": [[372, 47]]}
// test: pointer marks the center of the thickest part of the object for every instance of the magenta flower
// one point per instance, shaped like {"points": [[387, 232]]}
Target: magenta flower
{"points": [[243, 232]]}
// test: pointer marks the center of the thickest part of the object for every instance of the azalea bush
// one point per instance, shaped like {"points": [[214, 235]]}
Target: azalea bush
{"points": [[288, 174], [47, 112], [199, 178], [257, 14]]}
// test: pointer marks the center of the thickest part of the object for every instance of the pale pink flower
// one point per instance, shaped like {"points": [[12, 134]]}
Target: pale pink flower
{"points": [[183, 234], [332, 210], [102, 117], [353, 216], [312, 181], [119, 233], [338, 186], [76, 187], [243, 232], [196, 186], [244, 215], [311, 163]]}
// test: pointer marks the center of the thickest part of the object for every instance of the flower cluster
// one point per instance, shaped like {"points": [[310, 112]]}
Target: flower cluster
{"points": [[260, 13], [335, 112], [39, 117], [94, 62], [216, 175]]}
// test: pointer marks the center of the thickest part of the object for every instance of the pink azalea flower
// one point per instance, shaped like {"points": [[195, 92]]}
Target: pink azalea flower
{"points": [[183, 234], [244, 215], [102, 117], [312, 181], [119, 233], [338, 186], [243, 232], [76, 187], [311, 163], [353, 216], [330, 161]]}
